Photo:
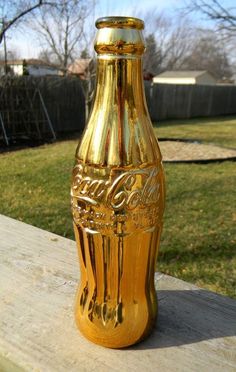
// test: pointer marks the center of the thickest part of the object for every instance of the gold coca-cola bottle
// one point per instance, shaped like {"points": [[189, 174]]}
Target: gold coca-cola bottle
{"points": [[118, 195]]}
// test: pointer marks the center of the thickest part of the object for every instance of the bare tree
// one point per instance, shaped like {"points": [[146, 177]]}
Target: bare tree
{"points": [[169, 42], [11, 54], [47, 56], [178, 44], [152, 56], [208, 53], [13, 11], [223, 16], [61, 29], [160, 26]]}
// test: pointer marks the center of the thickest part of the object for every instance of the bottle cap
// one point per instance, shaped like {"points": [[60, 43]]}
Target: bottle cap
{"points": [[120, 22], [119, 36]]}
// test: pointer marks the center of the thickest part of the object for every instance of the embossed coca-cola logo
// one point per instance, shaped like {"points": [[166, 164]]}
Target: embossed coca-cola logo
{"points": [[139, 187]]}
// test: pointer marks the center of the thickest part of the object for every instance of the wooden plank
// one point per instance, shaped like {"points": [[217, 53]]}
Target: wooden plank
{"points": [[196, 329]]}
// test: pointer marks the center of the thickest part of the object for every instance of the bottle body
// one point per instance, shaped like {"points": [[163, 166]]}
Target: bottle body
{"points": [[117, 204], [117, 227]]}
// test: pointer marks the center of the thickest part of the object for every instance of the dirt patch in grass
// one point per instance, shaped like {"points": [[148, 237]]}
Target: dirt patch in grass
{"points": [[182, 151]]}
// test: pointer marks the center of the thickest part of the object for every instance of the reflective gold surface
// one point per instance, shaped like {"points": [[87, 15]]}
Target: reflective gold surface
{"points": [[118, 195]]}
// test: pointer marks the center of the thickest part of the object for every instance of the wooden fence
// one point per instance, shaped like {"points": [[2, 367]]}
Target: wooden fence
{"points": [[64, 99], [65, 103], [168, 101], [62, 96]]}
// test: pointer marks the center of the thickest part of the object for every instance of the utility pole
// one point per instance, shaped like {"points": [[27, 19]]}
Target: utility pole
{"points": [[5, 47]]}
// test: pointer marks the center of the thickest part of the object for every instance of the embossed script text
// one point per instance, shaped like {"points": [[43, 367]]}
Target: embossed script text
{"points": [[138, 187]]}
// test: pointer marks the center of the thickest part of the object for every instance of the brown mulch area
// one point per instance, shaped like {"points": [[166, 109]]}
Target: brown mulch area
{"points": [[182, 151]]}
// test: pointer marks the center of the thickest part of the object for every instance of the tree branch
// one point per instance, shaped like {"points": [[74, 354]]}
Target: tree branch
{"points": [[213, 10], [7, 25]]}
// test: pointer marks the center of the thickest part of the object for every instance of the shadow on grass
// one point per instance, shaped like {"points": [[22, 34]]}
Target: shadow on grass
{"points": [[190, 316]]}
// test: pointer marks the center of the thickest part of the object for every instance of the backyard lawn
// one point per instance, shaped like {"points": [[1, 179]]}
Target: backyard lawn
{"points": [[219, 131], [199, 236]]}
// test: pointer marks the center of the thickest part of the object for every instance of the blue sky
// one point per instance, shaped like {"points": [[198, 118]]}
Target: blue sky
{"points": [[130, 7], [23, 43]]}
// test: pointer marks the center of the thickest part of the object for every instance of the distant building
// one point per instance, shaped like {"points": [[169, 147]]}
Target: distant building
{"points": [[185, 77], [34, 67], [81, 67]]}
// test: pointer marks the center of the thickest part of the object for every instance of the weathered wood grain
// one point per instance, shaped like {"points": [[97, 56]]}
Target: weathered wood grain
{"points": [[196, 329]]}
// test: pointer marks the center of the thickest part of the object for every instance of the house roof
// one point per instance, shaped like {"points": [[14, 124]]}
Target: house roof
{"points": [[182, 74], [79, 66]]}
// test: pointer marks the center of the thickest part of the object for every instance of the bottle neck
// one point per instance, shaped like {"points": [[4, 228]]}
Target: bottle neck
{"points": [[119, 130], [120, 87]]}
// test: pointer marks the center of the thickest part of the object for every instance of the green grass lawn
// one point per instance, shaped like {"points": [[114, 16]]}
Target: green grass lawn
{"points": [[199, 237], [220, 131]]}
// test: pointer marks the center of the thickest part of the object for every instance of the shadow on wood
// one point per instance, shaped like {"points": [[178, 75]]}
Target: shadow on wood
{"points": [[190, 316]]}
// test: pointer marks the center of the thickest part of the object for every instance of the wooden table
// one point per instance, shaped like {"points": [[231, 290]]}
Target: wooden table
{"points": [[196, 329]]}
